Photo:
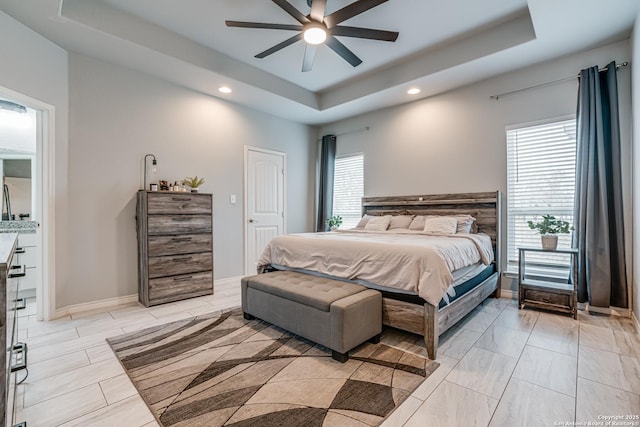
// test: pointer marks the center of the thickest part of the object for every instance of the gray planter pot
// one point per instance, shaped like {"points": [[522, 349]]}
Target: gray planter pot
{"points": [[549, 241]]}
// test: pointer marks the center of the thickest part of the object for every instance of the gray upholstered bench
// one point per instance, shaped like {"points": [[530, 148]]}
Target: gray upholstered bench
{"points": [[335, 314]]}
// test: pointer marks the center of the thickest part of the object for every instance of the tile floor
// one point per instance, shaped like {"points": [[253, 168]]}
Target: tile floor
{"points": [[499, 367]]}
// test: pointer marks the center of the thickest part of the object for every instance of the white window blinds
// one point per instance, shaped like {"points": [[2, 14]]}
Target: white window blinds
{"points": [[541, 163], [348, 189]]}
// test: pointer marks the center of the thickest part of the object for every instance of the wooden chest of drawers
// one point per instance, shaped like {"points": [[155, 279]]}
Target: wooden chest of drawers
{"points": [[14, 358], [175, 246]]}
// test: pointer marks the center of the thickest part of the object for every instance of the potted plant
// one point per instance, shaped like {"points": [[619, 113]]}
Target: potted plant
{"points": [[194, 183], [549, 228], [334, 222]]}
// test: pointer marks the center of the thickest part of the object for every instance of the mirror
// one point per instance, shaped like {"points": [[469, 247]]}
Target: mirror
{"points": [[17, 189], [18, 144]]}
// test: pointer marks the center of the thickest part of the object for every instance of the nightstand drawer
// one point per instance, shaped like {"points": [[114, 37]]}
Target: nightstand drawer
{"points": [[547, 297], [179, 224], [176, 203], [181, 244]]}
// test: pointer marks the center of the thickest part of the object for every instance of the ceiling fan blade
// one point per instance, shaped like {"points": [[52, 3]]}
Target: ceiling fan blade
{"points": [[309, 56], [317, 10], [282, 45], [343, 51], [288, 7], [350, 11], [364, 33], [242, 24]]}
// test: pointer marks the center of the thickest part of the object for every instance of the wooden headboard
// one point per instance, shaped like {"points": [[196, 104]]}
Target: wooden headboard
{"points": [[485, 207]]}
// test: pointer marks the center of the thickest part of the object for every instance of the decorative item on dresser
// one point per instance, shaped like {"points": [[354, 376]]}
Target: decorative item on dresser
{"points": [[9, 305], [194, 183], [154, 169], [175, 246]]}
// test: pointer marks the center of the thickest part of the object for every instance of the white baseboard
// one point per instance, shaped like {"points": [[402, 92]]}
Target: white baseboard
{"points": [[235, 279], [95, 305], [119, 301], [614, 311]]}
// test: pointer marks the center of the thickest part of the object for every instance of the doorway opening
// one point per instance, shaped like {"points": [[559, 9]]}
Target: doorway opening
{"points": [[26, 167]]}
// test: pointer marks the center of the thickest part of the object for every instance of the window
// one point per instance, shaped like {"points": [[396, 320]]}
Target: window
{"points": [[541, 177], [348, 189]]}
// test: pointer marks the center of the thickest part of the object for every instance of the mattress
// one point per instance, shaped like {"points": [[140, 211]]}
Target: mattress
{"points": [[466, 279], [416, 263]]}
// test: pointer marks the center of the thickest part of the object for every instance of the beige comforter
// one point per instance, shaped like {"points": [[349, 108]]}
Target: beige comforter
{"points": [[415, 262]]}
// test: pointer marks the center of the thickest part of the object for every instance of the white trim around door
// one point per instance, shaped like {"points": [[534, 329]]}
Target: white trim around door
{"points": [[45, 209]]}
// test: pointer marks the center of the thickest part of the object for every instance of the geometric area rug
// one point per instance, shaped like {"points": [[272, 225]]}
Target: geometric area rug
{"points": [[221, 370]]}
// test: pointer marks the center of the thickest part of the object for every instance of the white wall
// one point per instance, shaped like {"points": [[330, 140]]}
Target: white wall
{"points": [[118, 115], [635, 85], [33, 66], [455, 142]]}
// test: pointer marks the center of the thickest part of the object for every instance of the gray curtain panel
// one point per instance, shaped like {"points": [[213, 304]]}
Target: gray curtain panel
{"points": [[599, 235], [325, 184]]}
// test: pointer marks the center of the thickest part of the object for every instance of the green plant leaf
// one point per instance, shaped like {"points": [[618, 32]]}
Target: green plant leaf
{"points": [[194, 182], [551, 225]]}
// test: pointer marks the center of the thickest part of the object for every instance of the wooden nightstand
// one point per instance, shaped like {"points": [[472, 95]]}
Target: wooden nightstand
{"points": [[549, 294]]}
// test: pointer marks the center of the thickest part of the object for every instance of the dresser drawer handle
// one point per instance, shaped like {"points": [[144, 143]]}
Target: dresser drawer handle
{"points": [[178, 199], [20, 250], [20, 350], [22, 271], [187, 258], [182, 279], [181, 218], [181, 239], [21, 304]]}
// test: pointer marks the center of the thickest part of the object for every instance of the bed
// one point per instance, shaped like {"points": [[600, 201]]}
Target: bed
{"points": [[418, 289]]}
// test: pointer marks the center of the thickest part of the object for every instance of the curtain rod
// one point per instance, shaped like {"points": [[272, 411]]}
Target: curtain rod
{"points": [[551, 83], [364, 129]]}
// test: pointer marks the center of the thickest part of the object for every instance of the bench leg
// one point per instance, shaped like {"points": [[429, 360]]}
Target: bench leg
{"points": [[375, 339], [247, 316], [340, 357]]}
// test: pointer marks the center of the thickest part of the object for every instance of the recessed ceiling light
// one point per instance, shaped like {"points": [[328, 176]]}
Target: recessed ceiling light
{"points": [[413, 91], [224, 89]]}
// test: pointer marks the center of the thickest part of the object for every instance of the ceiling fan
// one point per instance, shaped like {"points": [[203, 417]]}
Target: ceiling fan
{"points": [[316, 28]]}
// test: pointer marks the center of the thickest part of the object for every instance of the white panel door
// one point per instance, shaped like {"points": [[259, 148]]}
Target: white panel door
{"points": [[265, 200]]}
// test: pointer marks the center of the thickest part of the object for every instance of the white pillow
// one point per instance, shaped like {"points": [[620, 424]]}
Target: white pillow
{"points": [[400, 222], [441, 226], [363, 222], [417, 223], [378, 223], [465, 222]]}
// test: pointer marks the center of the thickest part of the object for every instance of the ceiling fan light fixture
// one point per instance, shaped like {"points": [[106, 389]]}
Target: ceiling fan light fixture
{"points": [[315, 34]]}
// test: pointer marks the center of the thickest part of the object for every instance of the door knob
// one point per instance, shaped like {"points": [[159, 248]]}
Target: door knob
{"points": [[253, 220]]}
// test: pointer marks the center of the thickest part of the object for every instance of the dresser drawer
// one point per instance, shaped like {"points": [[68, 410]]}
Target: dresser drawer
{"points": [[27, 258], [167, 203], [172, 265], [27, 240], [178, 224], [182, 244], [11, 307], [176, 288]]}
